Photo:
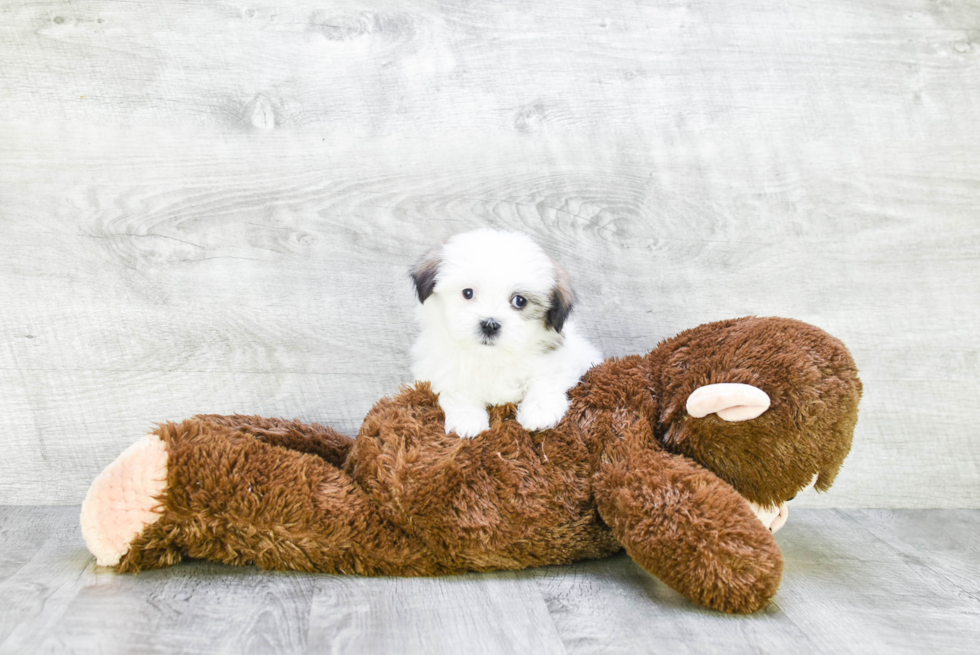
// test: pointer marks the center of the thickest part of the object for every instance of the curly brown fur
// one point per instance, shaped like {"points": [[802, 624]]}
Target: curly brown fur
{"points": [[412, 500], [314, 438], [812, 383], [675, 518], [507, 500], [689, 529], [626, 467], [234, 498]]}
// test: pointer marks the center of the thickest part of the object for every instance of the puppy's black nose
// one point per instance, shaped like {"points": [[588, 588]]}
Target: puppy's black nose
{"points": [[490, 327]]}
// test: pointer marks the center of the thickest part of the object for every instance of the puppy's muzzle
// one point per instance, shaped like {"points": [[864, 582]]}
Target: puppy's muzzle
{"points": [[489, 327]]}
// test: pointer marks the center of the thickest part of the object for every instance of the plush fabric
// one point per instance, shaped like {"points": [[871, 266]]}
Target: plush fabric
{"points": [[122, 501], [627, 467]]}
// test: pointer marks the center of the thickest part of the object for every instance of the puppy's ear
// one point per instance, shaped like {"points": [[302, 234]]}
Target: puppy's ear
{"points": [[562, 300], [424, 276]]}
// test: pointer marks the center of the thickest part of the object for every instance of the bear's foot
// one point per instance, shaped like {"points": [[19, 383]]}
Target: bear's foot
{"points": [[730, 401], [772, 518], [123, 499]]}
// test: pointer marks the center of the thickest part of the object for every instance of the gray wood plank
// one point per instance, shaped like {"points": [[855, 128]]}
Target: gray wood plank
{"points": [[614, 606], [480, 613], [43, 567], [211, 207], [856, 581], [845, 590], [58, 601], [131, 356], [877, 597], [199, 607], [945, 541]]}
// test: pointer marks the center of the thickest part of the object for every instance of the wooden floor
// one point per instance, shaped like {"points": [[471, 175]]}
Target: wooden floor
{"points": [[857, 581], [211, 207]]}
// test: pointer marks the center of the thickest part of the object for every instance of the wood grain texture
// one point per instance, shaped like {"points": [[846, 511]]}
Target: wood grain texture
{"points": [[614, 606], [211, 207], [883, 576], [486, 613], [856, 581]]}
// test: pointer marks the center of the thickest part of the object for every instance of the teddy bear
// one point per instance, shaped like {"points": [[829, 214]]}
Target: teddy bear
{"points": [[685, 457]]}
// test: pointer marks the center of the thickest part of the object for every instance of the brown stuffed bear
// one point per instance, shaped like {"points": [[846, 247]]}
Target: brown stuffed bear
{"points": [[665, 455]]}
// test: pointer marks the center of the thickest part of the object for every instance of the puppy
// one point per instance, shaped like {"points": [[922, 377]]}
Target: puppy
{"points": [[495, 329]]}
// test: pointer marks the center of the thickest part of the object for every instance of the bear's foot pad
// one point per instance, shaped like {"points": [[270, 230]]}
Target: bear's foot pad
{"points": [[771, 517], [123, 499], [730, 401]]}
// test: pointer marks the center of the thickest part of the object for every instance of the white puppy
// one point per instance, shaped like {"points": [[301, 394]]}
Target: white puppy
{"points": [[495, 329]]}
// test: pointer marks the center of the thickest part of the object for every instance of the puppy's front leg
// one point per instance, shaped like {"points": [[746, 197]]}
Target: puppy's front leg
{"points": [[543, 406], [464, 416]]}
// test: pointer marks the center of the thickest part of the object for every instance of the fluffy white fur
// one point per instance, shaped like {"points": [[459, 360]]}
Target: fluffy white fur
{"points": [[535, 355]]}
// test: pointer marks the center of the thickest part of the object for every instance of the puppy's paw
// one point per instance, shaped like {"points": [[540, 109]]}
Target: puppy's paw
{"points": [[542, 411], [467, 423]]}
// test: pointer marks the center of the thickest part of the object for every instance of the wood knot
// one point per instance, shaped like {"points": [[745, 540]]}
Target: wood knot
{"points": [[260, 113]]}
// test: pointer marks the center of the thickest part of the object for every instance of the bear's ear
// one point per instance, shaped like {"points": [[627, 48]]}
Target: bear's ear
{"points": [[562, 300], [424, 276]]}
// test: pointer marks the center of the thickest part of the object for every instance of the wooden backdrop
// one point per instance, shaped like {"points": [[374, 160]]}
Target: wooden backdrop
{"points": [[211, 206]]}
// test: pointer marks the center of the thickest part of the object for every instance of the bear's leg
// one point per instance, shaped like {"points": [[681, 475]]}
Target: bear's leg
{"points": [[689, 528], [310, 438], [123, 499], [205, 490]]}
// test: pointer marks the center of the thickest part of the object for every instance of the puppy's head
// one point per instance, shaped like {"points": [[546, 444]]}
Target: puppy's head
{"points": [[493, 288]]}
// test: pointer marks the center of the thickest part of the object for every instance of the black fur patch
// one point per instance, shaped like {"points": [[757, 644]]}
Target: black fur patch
{"points": [[424, 276], [560, 306]]}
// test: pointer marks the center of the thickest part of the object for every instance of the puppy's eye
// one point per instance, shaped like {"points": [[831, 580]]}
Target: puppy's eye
{"points": [[468, 294], [518, 302]]}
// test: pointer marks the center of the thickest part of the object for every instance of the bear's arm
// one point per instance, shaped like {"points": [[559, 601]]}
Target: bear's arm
{"points": [[688, 528]]}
